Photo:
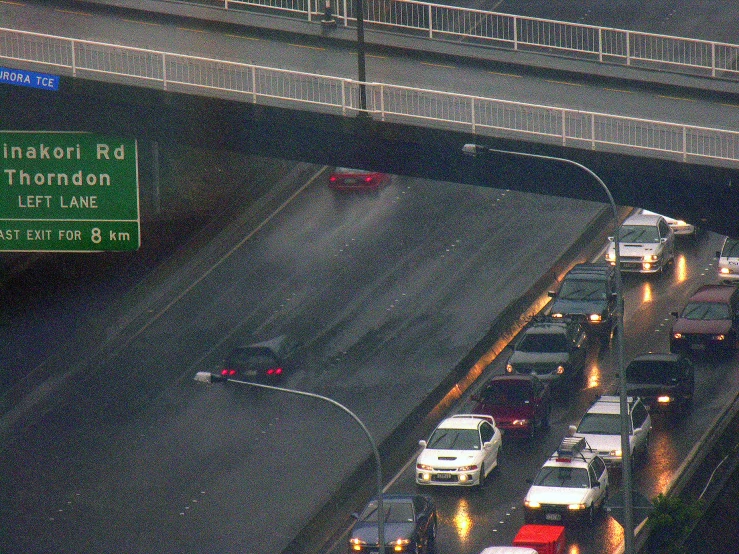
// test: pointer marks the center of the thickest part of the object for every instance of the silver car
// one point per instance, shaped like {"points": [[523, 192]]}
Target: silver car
{"points": [[646, 244]]}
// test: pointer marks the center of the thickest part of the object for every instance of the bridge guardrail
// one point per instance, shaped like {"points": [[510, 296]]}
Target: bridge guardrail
{"points": [[603, 44], [387, 102]]}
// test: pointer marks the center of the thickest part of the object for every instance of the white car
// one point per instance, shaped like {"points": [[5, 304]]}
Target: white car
{"points": [[601, 428], [728, 262], [680, 227], [646, 244], [572, 485], [461, 451]]}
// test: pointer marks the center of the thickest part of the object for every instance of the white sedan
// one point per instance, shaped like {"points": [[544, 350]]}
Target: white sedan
{"points": [[461, 451], [679, 227]]}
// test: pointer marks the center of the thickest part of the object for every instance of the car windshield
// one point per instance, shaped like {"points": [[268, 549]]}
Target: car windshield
{"points": [[600, 424], [639, 233], [395, 512], [455, 439], [578, 289], [252, 358], [543, 342], [706, 311], [570, 477], [731, 249], [507, 393], [651, 372]]}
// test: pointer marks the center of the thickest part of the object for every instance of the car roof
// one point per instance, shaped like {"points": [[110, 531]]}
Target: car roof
{"points": [[589, 269], [713, 293], [547, 327], [643, 219], [513, 377], [658, 357], [608, 404], [463, 421]]}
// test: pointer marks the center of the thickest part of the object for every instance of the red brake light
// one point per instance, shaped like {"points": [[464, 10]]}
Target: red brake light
{"points": [[274, 371], [368, 179], [228, 372], [332, 178]]}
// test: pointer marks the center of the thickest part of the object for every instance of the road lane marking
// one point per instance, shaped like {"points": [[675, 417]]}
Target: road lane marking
{"points": [[241, 36], [72, 12], [142, 22], [305, 46], [619, 90], [438, 65], [191, 30], [563, 83], [676, 98], [506, 74], [12, 3]]}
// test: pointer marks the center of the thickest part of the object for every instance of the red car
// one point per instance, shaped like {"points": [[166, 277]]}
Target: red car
{"points": [[708, 322], [518, 403], [345, 179]]}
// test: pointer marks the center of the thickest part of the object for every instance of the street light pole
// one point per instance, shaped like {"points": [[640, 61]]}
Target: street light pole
{"points": [[474, 150], [207, 377], [361, 72]]}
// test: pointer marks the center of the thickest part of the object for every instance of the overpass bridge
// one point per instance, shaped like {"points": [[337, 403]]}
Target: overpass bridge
{"points": [[685, 169]]}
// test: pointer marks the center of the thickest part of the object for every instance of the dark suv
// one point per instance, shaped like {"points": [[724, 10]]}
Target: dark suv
{"points": [[553, 350], [587, 294], [664, 382]]}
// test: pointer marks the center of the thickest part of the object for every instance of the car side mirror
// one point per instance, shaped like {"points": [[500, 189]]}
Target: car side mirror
{"points": [[596, 485], [718, 254], [675, 314], [663, 240], [355, 515], [551, 293], [422, 443], [610, 239], [571, 430]]}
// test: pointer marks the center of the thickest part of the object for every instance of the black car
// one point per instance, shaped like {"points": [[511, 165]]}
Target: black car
{"points": [[587, 294], [263, 362], [665, 382], [553, 350], [410, 525]]}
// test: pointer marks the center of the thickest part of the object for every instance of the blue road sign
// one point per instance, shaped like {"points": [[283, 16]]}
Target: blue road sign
{"points": [[29, 79]]}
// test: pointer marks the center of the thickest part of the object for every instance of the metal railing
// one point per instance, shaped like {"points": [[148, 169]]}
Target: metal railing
{"points": [[387, 102], [602, 44]]}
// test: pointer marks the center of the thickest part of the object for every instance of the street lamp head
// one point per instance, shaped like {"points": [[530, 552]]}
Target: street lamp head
{"points": [[471, 149]]}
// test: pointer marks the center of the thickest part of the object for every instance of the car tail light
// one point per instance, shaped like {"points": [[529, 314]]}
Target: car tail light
{"points": [[228, 372], [274, 371], [368, 180]]}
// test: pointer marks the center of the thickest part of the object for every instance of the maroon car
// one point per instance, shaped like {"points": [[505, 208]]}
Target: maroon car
{"points": [[708, 322], [518, 403], [345, 179]]}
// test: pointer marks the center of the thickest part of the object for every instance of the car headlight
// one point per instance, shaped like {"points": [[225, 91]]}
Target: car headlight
{"points": [[595, 318], [724, 271], [650, 257], [616, 453], [664, 399], [557, 315], [718, 337], [521, 422], [560, 370], [424, 467], [576, 506], [531, 504], [509, 368], [677, 336], [399, 544], [356, 544], [467, 468], [610, 256]]}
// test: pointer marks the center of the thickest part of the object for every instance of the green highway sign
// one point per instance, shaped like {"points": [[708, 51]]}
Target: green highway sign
{"points": [[68, 192]]}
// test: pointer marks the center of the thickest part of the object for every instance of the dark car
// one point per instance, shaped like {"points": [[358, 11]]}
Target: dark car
{"points": [[263, 362], [554, 351], [346, 179], [518, 403], [708, 322], [664, 382], [410, 525], [587, 294]]}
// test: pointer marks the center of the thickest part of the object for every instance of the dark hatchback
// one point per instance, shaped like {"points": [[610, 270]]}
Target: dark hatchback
{"points": [[264, 362], [709, 322], [665, 382], [518, 403], [410, 525]]}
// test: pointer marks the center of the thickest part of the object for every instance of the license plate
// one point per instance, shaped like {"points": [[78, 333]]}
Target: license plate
{"points": [[698, 346], [250, 372], [554, 517], [443, 476], [350, 181]]}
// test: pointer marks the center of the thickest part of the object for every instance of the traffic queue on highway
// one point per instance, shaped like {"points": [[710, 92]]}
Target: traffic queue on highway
{"points": [[548, 360]]}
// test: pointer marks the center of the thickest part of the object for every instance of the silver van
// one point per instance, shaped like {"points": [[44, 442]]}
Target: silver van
{"points": [[728, 262]]}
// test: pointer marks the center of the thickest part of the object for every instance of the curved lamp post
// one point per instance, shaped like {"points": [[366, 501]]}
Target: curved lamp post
{"points": [[475, 150], [207, 377]]}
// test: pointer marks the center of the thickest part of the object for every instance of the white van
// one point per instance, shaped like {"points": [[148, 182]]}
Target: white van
{"points": [[728, 262]]}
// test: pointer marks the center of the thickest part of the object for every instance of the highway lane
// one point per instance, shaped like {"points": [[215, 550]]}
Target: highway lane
{"points": [[237, 44], [471, 520], [386, 293]]}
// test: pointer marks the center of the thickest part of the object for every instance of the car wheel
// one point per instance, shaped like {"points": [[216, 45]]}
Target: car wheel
{"points": [[481, 482], [431, 538], [546, 422], [591, 514]]}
